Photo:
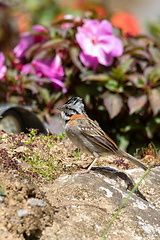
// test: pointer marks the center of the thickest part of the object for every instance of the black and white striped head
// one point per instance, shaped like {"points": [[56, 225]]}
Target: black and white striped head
{"points": [[71, 107]]}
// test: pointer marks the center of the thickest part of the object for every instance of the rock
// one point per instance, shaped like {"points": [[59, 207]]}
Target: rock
{"points": [[150, 185], [1, 199], [14, 220], [18, 185], [86, 203], [36, 202], [22, 212]]}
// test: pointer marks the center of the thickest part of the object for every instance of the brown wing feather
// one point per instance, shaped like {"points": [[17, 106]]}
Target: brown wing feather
{"points": [[94, 133]]}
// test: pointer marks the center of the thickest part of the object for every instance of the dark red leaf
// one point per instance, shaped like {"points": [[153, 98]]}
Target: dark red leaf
{"points": [[113, 103], [136, 103], [154, 99]]}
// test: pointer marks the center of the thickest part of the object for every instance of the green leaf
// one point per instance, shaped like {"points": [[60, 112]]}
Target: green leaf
{"points": [[136, 103], [83, 91], [32, 86], [112, 85], [153, 126], [34, 78], [127, 128], [45, 94], [31, 50], [155, 53], [154, 99], [113, 103], [13, 99], [140, 83], [74, 54], [154, 75], [141, 53], [96, 77], [54, 97], [137, 79], [126, 65], [123, 141], [54, 43], [118, 74]]}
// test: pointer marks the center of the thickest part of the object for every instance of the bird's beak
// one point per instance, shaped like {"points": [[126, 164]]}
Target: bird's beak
{"points": [[60, 108]]}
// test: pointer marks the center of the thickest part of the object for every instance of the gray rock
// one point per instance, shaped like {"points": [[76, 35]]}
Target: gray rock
{"points": [[14, 220], [1, 199], [36, 202], [22, 212], [86, 203]]}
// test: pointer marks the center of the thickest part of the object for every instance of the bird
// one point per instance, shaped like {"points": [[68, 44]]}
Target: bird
{"points": [[88, 136]]}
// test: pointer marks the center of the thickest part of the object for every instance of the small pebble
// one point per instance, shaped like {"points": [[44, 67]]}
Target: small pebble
{"points": [[22, 212], [5, 232], [34, 202], [14, 220], [1, 199], [18, 185], [83, 156]]}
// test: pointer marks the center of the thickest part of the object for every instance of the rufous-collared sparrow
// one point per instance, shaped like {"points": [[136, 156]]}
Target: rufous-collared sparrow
{"points": [[87, 135]]}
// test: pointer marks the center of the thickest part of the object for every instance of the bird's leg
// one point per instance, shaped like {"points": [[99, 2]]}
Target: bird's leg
{"points": [[91, 165], [88, 169]]}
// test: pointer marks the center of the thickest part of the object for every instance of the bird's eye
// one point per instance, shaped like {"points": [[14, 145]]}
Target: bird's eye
{"points": [[67, 107]]}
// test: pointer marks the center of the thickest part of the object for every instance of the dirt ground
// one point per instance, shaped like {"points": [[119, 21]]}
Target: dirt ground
{"points": [[27, 162]]}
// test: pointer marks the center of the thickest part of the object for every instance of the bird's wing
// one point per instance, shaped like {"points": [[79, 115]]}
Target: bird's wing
{"points": [[91, 130]]}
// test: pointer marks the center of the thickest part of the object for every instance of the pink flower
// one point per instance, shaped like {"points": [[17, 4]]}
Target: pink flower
{"points": [[28, 68], [3, 68], [51, 69], [98, 44], [28, 39]]}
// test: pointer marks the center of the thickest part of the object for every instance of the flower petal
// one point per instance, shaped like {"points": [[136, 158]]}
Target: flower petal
{"points": [[85, 42], [105, 28], [39, 28], [51, 69], [3, 70], [24, 44], [107, 44], [91, 26], [88, 60], [28, 68], [105, 59], [56, 66], [118, 47], [2, 58]]}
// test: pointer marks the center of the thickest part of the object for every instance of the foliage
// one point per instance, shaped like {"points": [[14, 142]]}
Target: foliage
{"points": [[77, 153], [124, 97], [46, 11], [32, 155]]}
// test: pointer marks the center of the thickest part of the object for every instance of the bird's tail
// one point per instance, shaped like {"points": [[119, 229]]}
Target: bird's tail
{"points": [[132, 159]]}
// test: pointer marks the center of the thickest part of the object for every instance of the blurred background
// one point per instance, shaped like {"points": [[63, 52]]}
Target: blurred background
{"points": [[18, 16]]}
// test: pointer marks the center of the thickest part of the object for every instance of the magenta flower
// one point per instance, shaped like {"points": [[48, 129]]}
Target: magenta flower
{"points": [[28, 68], [3, 68], [28, 39], [51, 69], [98, 43]]}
